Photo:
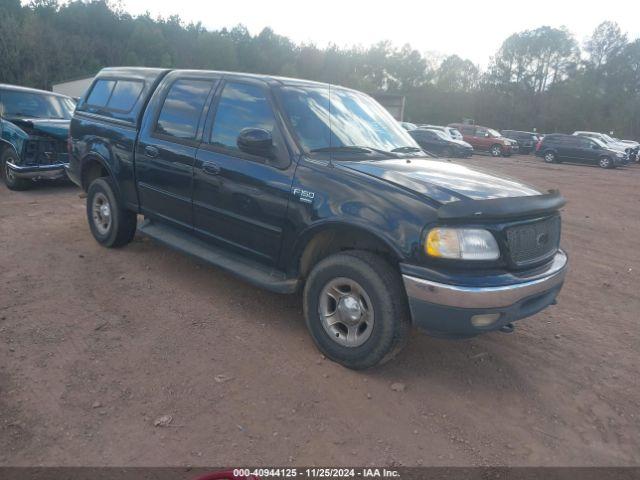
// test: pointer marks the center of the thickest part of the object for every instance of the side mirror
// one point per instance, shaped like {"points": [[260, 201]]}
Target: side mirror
{"points": [[1, 110], [486, 134], [256, 141], [595, 146]]}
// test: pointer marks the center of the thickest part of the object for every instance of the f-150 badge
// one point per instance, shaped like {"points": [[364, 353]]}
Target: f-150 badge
{"points": [[304, 196]]}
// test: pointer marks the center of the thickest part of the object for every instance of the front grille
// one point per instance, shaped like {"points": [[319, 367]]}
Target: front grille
{"points": [[45, 151], [533, 242]]}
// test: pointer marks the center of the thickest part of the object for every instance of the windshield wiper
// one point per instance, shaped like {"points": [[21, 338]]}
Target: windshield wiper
{"points": [[343, 148], [354, 149], [406, 149]]}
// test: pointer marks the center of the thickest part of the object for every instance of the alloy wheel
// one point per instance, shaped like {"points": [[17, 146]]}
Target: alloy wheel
{"points": [[101, 209], [346, 312]]}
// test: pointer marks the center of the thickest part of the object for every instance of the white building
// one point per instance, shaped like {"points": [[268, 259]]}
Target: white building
{"points": [[73, 88]]}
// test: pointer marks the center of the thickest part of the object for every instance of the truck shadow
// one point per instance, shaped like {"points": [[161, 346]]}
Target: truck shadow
{"points": [[481, 363]]}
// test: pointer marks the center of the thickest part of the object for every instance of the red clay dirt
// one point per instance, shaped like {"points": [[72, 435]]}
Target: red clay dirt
{"points": [[96, 345]]}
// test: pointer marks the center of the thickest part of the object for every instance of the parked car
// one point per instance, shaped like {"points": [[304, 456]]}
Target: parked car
{"points": [[558, 147], [298, 187], [526, 140], [485, 139], [34, 126], [608, 141], [440, 144], [408, 125], [633, 148], [450, 131]]}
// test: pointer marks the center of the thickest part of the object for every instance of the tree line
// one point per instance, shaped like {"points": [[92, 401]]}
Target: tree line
{"points": [[541, 78]]}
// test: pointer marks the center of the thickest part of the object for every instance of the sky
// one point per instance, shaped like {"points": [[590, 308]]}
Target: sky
{"points": [[470, 29]]}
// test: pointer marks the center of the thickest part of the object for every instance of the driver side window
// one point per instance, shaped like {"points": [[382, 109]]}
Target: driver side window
{"points": [[241, 106], [481, 132]]}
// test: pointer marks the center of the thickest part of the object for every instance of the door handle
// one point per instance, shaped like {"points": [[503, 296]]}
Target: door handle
{"points": [[151, 151], [211, 168]]}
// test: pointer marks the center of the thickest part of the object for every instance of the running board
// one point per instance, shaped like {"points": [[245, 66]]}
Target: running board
{"points": [[253, 272]]}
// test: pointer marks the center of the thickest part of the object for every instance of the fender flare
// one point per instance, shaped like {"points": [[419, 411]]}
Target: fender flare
{"points": [[91, 157], [306, 236]]}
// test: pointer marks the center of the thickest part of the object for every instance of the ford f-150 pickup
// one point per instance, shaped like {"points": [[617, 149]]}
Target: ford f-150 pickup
{"points": [[298, 186]]}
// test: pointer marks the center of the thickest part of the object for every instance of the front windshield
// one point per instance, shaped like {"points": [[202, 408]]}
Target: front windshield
{"points": [[600, 142], [334, 118], [36, 105], [608, 138], [494, 133], [455, 133]]}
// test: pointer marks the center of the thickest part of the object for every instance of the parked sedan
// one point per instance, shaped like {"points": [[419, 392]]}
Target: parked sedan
{"points": [[440, 144], [450, 131], [634, 153]]}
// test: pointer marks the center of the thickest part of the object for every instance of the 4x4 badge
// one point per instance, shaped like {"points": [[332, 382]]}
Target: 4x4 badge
{"points": [[303, 195]]}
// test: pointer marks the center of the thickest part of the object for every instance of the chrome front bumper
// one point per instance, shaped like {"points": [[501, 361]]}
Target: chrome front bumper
{"points": [[449, 310], [487, 297], [35, 172]]}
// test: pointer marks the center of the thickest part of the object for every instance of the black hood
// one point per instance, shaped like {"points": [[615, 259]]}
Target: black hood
{"points": [[442, 181]]}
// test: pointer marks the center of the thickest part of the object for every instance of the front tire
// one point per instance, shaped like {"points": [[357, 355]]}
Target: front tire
{"points": [[10, 179], [550, 157], [605, 162], [111, 225], [495, 150], [356, 310]]}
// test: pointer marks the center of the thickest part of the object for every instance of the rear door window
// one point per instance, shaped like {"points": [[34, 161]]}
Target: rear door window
{"points": [[183, 105], [101, 93], [125, 95]]}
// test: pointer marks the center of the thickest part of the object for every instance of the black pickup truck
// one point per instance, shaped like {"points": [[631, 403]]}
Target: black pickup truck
{"points": [[301, 186]]}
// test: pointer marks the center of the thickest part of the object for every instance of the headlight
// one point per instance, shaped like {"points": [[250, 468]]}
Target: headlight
{"points": [[462, 244]]}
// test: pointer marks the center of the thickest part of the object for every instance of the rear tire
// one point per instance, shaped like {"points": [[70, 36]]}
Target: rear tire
{"points": [[495, 150], [356, 309], [10, 179], [111, 225]]}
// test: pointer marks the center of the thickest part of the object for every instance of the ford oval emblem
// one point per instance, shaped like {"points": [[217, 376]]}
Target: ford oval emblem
{"points": [[542, 239]]}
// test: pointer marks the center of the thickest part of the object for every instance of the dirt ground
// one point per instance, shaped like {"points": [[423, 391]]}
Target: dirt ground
{"points": [[96, 345]]}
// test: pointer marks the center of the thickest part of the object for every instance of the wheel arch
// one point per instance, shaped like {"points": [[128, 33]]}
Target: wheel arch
{"points": [[322, 240], [93, 166], [499, 145], [5, 144]]}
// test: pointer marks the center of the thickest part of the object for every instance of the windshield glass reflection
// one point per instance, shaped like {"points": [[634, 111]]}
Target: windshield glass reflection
{"points": [[328, 117]]}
